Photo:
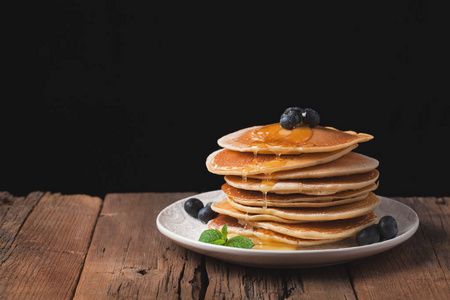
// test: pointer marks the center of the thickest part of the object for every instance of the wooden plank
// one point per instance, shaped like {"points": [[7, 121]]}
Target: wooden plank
{"points": [[46, 257], [436, 228], [239, 282], [417, 269], [129, 258], [330, 282], [13, 213]]}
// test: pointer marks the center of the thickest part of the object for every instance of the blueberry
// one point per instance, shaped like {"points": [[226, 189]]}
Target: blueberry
{"points": [[206, 213], [192, 206], [295, 109], [368, 236], [388, 227], [290, 118], [310, 117]]}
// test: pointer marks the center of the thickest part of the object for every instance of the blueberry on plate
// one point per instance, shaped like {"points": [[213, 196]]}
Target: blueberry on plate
{"points": [[310, 117], [388, 227], [192, 206], [368, 235], [291, 117], [206, 213]]}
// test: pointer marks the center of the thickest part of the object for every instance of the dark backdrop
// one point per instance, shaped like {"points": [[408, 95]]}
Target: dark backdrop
{"points": [[110, 97]]}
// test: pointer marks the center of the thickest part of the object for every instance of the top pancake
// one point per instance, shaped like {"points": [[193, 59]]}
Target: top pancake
{"points": [[273, 139]]}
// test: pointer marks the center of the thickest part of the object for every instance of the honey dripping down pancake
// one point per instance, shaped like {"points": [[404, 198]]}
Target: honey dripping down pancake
{"points": [[309, 186], [285, 179], [348, 164], [227, 162]]}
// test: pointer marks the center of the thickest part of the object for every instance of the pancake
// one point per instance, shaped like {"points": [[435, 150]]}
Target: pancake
{"points": [[309, 186], [311, 214], [298, 187], [273, 139], [255, 198], [351, 163], [264, 235], [337, 229], [224, 207], [301, 204], [227, 162]]}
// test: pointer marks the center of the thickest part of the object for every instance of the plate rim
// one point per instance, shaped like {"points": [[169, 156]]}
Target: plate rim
{"points": [[204, 248]]}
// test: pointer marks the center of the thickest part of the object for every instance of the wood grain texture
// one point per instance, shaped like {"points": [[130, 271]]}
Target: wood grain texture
{"points": [[129, 258], [45, 248], [46, 257], [13, 213], [416, 269], [228, 281], [127, 248]]}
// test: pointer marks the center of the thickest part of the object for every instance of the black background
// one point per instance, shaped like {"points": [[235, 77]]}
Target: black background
{"points": [[107, 97]]}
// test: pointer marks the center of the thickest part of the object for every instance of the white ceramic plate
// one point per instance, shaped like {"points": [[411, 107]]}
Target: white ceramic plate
{"points": [[177, 225]]}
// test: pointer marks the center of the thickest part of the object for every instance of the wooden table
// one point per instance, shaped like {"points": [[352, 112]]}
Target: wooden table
{"points": [[55, 246]]}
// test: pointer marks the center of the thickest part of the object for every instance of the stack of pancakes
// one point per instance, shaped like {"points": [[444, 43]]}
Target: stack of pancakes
{"points": [[300, 187]]}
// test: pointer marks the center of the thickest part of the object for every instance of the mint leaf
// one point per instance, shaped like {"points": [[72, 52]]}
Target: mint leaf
{"points": [[240, 242], [216, 237], [210, 236], [219, 242], [224, 232]]}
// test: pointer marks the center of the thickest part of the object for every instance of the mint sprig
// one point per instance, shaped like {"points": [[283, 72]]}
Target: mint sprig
{"points": [[216, 237], [240, 242]]}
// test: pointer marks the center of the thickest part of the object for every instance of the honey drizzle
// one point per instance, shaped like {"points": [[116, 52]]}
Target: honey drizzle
{"points": [[267, 244], [273, 135], [265, 167], [266, 186]]}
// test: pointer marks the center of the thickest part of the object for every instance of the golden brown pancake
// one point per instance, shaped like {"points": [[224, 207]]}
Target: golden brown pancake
{"points": [[321, 230], [310, 214], [256, 198], [309, 186], [351, 163], [225, 208], [301, 204], [299, 187], [262, 234], [227, 162], [272, 139]]}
